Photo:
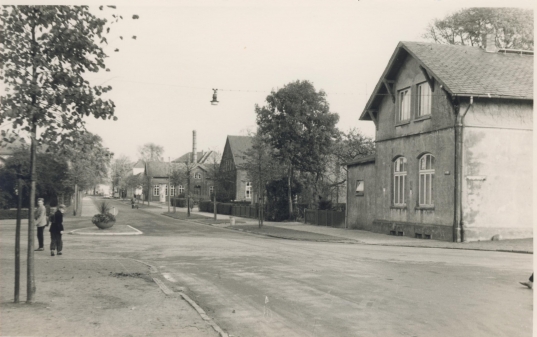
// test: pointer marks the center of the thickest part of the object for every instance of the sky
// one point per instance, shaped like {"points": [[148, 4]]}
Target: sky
{"points": [[162, 81]]}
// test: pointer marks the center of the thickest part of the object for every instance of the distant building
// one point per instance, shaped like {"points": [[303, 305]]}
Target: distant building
{"points": [[454, 134], [237, 183]]}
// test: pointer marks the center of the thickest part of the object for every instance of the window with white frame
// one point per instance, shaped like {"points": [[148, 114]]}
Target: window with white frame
{"points": [[404, 105], [172, 191], [399, 181], [426, 182], [166, 190], [156, 190], [248, 190], [424, 99], [181, 189], [197, 176]]}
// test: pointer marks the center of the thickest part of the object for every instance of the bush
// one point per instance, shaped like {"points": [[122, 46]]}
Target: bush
{"points": [[178, 202]]}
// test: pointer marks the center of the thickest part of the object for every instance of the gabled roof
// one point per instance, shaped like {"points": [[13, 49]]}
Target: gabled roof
{"points": [[201, 155], [239, 145], [463, 71], [160, 169], [139, 164]]}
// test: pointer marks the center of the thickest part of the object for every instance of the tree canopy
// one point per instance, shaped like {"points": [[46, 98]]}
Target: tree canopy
{"points": [[150, 152], [297, 122], [512, 27]]}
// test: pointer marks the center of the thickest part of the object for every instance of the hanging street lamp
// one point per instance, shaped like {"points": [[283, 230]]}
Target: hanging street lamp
{"points": [[214, 101]]}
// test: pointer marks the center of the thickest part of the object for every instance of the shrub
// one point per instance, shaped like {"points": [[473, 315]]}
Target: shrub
{"points": [[178, 202], [104, 215]]}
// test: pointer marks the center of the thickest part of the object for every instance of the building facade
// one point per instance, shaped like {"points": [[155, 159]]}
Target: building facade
{"points": [[235, 178], [453, 161]]}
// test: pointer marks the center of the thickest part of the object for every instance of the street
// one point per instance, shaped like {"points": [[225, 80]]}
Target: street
{"points": [[259, 286]]}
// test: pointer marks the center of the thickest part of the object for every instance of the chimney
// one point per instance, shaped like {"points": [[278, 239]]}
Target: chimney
{"points": [[194, 154], [490, 43]]}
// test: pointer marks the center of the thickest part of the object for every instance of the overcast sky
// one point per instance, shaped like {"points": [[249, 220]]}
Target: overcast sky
{"points": [[162, 81]]}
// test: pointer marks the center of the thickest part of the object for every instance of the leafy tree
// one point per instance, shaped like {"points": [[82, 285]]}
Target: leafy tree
{"points": [[262, 168], [512, 27], [88, 162], [120, 170], [52, 178], [214, 175], [150, 152], [46, 51], [298, 124]]}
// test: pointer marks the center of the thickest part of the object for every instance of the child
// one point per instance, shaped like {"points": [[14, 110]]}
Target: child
{"points": [[56, 231]]}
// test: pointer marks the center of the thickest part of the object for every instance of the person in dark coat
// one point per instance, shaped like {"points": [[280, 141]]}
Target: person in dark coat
{"points": [[56, 231]]}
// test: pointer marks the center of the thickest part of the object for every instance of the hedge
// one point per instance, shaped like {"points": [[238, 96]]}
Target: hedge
{"points": [[12, 214], [178, 202], [221, 208]]}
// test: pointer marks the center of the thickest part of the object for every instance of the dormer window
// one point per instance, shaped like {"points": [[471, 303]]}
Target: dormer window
{"points": [[424, 99], [404, 105]]}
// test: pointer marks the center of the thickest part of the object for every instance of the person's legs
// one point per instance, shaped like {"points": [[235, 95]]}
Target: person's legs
{"points": [[59, 243], [40, 237], [52, 243]]}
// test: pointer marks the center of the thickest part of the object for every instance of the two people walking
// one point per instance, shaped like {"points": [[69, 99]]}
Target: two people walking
{"points": [[56, 227]]}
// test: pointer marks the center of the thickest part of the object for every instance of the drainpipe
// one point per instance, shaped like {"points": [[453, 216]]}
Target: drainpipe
{"points": [[458, 223]]}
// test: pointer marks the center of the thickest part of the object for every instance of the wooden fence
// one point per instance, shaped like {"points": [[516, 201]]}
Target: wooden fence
{"points": [[245, 211], [324, 218]]}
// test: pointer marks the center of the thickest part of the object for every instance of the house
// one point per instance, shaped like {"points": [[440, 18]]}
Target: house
{"points": [[453, 162], [231, 167], [201, 165]]}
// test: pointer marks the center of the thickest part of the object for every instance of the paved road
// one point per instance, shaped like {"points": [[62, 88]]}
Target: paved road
{"points": [[260, 286]]}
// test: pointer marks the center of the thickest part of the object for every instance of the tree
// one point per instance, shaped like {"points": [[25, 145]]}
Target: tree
{"points": [[150, 152], [512, 27], [262, 168], [52, 177], [121, 169], [349, 146], [298, 124], [46, 52], [88, 162]]}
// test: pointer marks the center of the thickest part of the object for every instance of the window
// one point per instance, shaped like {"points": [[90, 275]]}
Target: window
{"points": [[181, 189], [424, 99], [426, 182], [172, 191], [197, 176], [211, 189], [404, 105], [359, 187], [166, 190], [399, 180], [248, 190], [156, 190]]}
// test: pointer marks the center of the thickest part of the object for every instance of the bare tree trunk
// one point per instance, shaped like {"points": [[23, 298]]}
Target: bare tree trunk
{"points": [[214, 198], [289, 193], [30, 277]]}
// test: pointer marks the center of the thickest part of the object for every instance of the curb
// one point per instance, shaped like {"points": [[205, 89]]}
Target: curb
{"points": [[193, 304], [136, 232], [351, 241]]}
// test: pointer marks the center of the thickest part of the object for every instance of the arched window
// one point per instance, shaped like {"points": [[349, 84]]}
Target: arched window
{"points": [[426, 182], [399, 181]]}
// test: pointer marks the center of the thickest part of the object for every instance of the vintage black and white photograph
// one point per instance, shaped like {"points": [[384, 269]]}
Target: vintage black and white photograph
{"points": [[234, 168]]}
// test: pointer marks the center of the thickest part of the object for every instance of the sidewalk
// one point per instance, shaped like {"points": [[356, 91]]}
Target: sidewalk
{"points": [[89, 293], [307, 232]]}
